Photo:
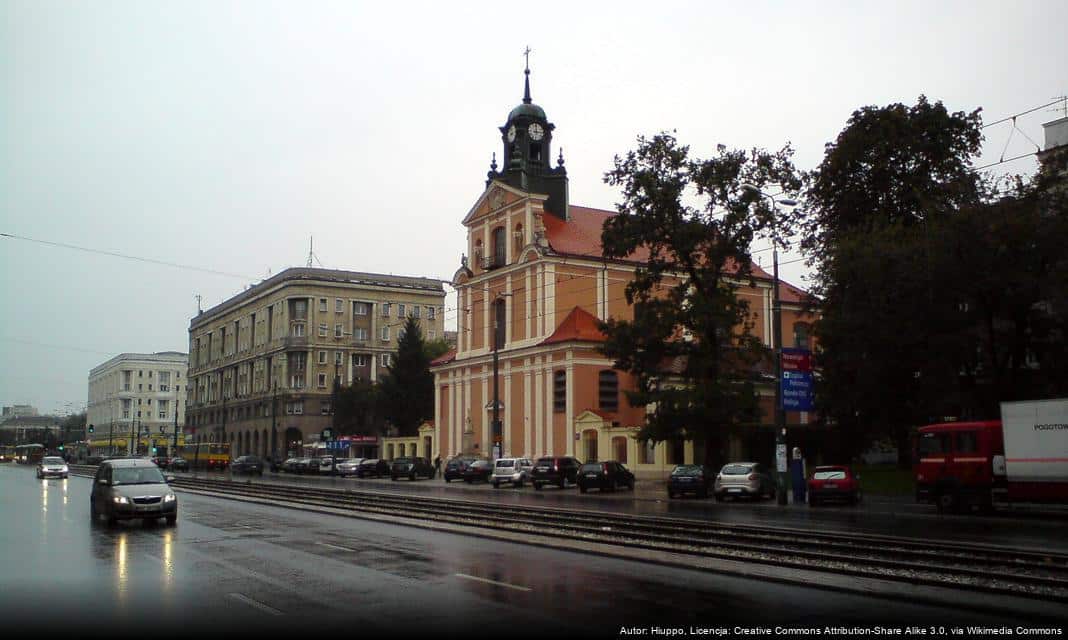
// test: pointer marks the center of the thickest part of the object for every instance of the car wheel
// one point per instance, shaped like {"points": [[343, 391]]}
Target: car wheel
{"points": [[537, 486], [467, 480], [518, 484], [671, 495], [813, 501], [718, 497], [582, 488], [947, 501], [411, 476], [496, 485], [261, 473], [563, 482], [703, 494], [393, 478], [172, 520]]}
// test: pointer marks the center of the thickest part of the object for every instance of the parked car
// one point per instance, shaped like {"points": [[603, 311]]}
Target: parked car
{"points": [[178, 463], [247, 464], [455, 467], [607, 475], [132, 488], [373, 468], [479, 470], [513, 470], [52, 467], [290, 465], [835, 482], [160, 461], [697, 479], [744, 479], [554, 470], [347, 466], [321, 466], [410, 468]]}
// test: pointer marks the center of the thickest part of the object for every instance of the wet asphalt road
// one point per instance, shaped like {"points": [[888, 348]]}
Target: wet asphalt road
{"points": [[237, 569], [898, 516]]}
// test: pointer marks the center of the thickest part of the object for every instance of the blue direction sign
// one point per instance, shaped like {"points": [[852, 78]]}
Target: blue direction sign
{"points": [[337, 444], [797, 391]]}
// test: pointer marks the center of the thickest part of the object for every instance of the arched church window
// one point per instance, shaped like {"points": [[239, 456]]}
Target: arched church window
{"points": [[499, 248], [517, 238]]}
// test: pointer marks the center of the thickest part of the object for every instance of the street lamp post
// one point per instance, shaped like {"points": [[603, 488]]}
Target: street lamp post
{"points": [[498, 431], [274, 422], [776, 338]]}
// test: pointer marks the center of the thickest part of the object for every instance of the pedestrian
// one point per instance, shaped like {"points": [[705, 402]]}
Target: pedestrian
{"points": [[437, 466]]}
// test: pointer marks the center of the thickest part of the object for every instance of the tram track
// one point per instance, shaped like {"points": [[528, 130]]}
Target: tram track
{"points": [[982, 568]]}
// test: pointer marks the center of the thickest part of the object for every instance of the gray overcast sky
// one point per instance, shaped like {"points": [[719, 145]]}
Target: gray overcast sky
{"points": [[222, 135]]}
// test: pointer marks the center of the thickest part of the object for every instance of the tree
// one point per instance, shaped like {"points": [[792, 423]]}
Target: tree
{"points": [[434, 349], [686, 307], [932, 285], [408, 387], [357, 408]]}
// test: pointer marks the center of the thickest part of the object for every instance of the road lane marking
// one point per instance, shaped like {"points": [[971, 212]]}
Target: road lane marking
{"points": [[493, 582], [334, 546], [254, 603]]}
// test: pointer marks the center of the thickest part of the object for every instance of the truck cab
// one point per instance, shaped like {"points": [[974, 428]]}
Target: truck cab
{"points": [[955, 464]]}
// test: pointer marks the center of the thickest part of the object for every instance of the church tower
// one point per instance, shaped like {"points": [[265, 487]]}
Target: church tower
{"points": [[527, 154]]}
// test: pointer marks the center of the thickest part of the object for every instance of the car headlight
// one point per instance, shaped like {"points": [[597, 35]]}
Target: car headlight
{"points": [[121, 500], [169, 498], [65, 469]]}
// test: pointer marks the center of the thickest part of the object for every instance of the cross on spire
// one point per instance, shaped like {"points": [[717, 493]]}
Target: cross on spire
{"points": [[526, 81]]}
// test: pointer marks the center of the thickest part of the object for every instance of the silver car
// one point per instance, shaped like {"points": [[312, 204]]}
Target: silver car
{"points": [[513, 470], [132, 488], [52, 467], [347, 467], [744, 479]]}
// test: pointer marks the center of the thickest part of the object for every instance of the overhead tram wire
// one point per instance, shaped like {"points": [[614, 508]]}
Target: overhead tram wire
{"points": [[116, 254]]}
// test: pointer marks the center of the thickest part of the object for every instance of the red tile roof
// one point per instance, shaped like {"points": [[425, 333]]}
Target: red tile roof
{"points": [[445, 359], [579, 325], [581, 235]]}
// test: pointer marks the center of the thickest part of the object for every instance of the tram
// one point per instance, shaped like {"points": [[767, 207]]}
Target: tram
{"points": [[206, 455], [29, 453]]}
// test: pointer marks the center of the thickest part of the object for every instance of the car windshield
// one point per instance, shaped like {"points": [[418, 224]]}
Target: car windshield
{"points": [[137, 475], [51, 460], [829, 474], [736, 469], [688, 470]]}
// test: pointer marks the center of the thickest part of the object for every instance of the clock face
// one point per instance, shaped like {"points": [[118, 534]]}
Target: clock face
{"points": [[511, 133], [536, 132]]}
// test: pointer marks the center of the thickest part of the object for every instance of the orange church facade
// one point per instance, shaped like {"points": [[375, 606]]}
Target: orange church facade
{"points": [[538, 283]]}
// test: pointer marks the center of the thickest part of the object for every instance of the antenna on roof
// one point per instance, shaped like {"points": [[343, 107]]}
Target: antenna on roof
{"points": [[311, 253], [198, 297]]}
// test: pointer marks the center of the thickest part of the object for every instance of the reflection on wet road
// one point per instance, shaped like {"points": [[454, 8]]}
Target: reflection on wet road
{"points": [[231, 566]]}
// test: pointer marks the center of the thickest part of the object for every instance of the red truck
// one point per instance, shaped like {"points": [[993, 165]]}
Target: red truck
{"points": [[1021, 458]]}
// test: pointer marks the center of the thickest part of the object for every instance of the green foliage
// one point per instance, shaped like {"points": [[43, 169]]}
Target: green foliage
{"points": [[935, 291], [436, 348], [408, 387], [357, 409], [697, 320]]}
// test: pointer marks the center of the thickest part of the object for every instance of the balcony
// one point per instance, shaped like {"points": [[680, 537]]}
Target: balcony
{"points": [[492, 262], [293, 342]]}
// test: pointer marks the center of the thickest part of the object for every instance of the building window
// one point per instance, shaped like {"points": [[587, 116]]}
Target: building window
{"points": [[322, 330], [164, 380], [298, 329], [324, 407], [499, 248], [430, 313], [385, 309], [608, 390], [360, 308], [560, 391], [360, 333], [337, 331], [300, 309], [322, 305], [802, 333], [385, 334], [619, 449], [337, 357], [359, 360], [400, 333], [400, 310], [339, 305], [384, 359], [322, 380], [322, 357], [150, 387], [647, 452], [416, 310]]}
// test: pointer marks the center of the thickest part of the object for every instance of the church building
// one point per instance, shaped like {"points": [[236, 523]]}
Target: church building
{"points": [[530, 297]]}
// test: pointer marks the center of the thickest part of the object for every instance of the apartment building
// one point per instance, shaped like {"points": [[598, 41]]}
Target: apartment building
{"points": [[138, 391], [262, 364]]}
